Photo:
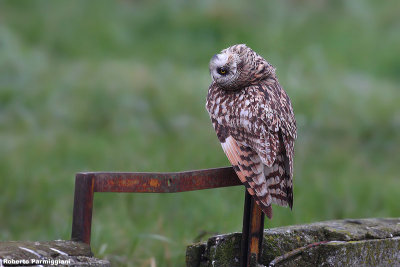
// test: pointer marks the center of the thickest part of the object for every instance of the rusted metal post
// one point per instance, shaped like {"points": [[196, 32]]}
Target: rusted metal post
{"points": [[83, 205], [252, 233], [86, 184]]}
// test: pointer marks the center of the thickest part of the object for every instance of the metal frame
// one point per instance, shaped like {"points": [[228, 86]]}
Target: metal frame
{"points": [[86, 184]]}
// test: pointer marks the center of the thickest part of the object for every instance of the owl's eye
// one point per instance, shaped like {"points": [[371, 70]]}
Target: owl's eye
{"points": [[222, 71]]}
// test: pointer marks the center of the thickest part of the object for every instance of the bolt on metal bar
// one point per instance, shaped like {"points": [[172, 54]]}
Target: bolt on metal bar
{"points": [[86, 184]]}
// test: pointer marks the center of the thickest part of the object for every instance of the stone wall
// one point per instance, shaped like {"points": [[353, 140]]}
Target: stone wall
{"points": [[48, 253], [361, 242]]}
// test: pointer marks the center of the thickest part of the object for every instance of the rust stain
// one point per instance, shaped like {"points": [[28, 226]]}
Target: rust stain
{"points": [[154, 183], [128, 182], [254, 245]]}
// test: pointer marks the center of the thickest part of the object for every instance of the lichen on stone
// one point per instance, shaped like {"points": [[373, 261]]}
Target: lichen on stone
{"points": [[367, 242]]}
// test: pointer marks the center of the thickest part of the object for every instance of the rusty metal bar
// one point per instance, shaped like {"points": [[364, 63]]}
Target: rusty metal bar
{"points": [[165, 182], [244, 248], [86, 184], [252, 232], [83, 205]]}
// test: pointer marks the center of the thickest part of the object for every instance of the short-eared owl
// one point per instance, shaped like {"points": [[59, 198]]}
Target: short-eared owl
{"points": [[254, 121]]}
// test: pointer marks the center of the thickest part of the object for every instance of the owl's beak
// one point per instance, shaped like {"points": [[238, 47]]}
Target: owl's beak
{"points": [[213, 64], [217, 61]]}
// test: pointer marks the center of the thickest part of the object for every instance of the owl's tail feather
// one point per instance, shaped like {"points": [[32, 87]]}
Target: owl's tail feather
{"points": [[267, 209], [266, 184], [276, 179]]}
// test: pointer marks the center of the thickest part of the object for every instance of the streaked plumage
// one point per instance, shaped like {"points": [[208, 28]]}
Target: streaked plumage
{"points": [[254, 121]]}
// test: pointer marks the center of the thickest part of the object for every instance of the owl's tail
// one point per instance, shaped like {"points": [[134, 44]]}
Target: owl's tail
{"points": [[278, 182], [266, 184]]}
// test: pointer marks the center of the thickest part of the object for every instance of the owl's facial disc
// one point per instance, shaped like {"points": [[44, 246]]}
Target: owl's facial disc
{"points": [[223, 69]]}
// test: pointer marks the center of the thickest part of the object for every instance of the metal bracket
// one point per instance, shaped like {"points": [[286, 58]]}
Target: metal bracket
{"points": [[88, 183]]}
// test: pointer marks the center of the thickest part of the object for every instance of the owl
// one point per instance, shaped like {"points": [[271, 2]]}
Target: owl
{"points": [[254, 121]]}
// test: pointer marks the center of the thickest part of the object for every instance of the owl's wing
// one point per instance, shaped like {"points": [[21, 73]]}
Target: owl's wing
{"points": [[248, 167], [261, 151], [266, 184], [279, 117], [277, 112]]}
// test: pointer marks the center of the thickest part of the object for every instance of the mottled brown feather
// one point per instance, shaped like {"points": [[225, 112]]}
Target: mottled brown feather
{"points": [[254, 121]]}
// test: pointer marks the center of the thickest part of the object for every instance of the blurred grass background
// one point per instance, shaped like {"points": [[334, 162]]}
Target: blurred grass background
{"points": [[121, 86]]}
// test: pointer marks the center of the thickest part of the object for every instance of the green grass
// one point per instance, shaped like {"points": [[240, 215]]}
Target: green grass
{"points": [[121, 86]]}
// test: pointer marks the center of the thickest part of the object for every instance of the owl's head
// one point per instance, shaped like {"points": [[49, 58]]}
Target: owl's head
{"points": [[238, 66]]}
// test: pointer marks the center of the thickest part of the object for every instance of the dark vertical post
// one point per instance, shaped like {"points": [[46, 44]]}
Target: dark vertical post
{"points": [[83, 204], [245, 230], [252, 234]]}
